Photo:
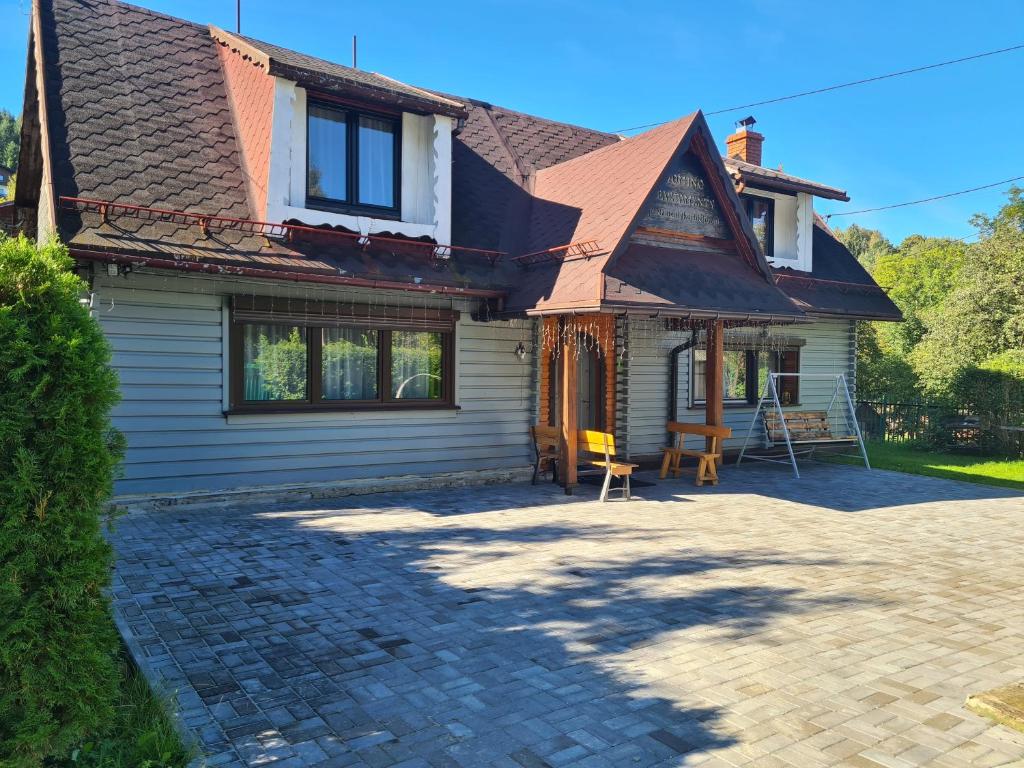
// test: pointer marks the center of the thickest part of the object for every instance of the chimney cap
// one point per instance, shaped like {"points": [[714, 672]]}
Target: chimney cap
{"points": [[746, 124]]}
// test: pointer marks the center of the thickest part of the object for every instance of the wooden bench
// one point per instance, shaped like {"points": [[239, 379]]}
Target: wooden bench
{"points": [[601, 449], [805, 428], [707, 461], [546, 449]]}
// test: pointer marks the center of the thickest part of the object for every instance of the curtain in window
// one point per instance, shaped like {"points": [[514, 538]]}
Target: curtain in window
{"points": [[376, 161], [416, 372], [326, 172], [700, 367], [349, 364], [275, 362]]}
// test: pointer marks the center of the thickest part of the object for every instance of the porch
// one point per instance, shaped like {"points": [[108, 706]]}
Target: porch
{"points": [[761, 622]]}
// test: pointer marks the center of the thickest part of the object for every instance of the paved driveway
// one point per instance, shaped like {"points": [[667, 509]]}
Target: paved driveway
{"points": [[837, 620]]}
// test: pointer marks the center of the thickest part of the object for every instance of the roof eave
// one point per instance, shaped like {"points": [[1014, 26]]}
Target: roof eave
{"points": [[765, 182], [698, 313], [310, 78], [318, 81], [839, 313]]}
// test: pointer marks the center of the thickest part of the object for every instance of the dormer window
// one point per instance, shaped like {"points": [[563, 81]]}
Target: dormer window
{"points": [[761, 211], [352, 160]]}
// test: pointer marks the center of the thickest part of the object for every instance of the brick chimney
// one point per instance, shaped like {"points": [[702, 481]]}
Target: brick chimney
{"points": [[746, 143]]}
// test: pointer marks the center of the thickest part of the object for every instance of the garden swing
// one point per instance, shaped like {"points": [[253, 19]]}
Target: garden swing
{"points": [[804, 431]]}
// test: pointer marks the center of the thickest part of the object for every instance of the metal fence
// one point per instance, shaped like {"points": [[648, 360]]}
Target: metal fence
{"points": [[942, 426]]}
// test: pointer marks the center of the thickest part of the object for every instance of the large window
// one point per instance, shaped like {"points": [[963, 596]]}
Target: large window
{"points": [[744, 373], [761, 211], [350, 361], [352, 160]]}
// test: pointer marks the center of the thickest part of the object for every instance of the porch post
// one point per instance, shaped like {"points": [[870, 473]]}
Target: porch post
{"points": [[567, 405], [713, 416]]}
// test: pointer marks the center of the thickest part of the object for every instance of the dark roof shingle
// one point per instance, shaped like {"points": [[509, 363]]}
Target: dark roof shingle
{"points": [[837, 283], [320, 73], [137, 110], [138, 114]]}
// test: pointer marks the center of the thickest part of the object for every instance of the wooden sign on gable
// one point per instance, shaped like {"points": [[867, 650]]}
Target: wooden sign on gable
{"points": [[684, 202]]}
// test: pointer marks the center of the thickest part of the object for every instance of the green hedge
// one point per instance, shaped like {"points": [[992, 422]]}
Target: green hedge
{"points": [[58, 454]]}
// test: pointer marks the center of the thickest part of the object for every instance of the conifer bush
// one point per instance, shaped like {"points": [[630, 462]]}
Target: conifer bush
{"points": [[58, 455]]}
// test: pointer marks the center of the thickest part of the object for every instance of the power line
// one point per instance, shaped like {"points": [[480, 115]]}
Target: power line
{"points": [[840, 85], [924, 200]]}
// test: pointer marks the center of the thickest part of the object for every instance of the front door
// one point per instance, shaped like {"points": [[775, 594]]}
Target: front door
{"points": [[590, 389]]}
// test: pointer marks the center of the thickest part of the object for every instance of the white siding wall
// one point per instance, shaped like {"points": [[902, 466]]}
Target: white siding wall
{"points": [[793, 227], [829, 349], [168, 349]]}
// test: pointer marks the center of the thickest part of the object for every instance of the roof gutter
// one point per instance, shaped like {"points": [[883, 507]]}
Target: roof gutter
{"points": [[270, 274], [709, 314], [668, 313]]}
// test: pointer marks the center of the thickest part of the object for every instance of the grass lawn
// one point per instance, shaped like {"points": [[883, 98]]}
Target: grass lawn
{"points": [[141, 735], [1008, 473]]}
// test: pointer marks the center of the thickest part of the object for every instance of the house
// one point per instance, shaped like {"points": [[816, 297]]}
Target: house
{"points": [[5, 180], [310, 273]]}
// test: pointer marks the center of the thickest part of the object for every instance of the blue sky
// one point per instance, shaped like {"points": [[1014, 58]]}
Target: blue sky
{"points": [[612, 65]]}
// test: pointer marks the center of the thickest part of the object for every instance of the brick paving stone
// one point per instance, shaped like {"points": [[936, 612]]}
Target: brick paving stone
{"points": [[840, 619]]}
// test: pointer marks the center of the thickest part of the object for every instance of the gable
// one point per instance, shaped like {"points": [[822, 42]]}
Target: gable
{"points": [[684, 203]]}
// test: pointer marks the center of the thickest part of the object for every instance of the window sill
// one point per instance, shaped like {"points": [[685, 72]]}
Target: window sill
{"points": [[375, 407], [369, 211], [311, 416]]}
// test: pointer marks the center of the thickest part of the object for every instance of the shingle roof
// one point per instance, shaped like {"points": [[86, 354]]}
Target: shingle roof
{"points": [[592, 197], [837, 283], [309, 71], [137, 109], [493, 158], [758, 175], [160, 134], [596, 196], [138, 114], [681, 279]]}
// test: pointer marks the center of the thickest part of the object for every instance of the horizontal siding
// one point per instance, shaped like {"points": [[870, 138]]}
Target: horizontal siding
{"points": [[829, 349], [166, 336], [649, 349]]}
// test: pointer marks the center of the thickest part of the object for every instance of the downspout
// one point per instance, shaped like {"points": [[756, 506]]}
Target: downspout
{"points": [[673, 375]]}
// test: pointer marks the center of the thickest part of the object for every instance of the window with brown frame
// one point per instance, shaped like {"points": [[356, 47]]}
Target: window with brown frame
{"points": [[744, 373], [353, 160], [320, 356]]}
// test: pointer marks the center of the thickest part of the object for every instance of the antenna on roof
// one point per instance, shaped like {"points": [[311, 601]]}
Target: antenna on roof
{"points": [[354, 64], [238, 16]]}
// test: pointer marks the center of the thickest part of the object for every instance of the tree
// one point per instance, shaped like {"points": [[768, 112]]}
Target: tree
{"points": [[866, 244], [918, 277], [882, 375], [58, 454], [10, 139], [982, 314]]}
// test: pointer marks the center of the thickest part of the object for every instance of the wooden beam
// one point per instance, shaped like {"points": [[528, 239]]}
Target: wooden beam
{"points": [[713, 415], [567, 400]]}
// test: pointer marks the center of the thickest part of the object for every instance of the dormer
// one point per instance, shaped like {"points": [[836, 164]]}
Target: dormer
{"points": [[780, 206], [328, 145]]}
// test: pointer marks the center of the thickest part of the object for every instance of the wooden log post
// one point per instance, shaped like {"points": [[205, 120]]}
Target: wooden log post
{"points": [[567, 405], [713, 412]]}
